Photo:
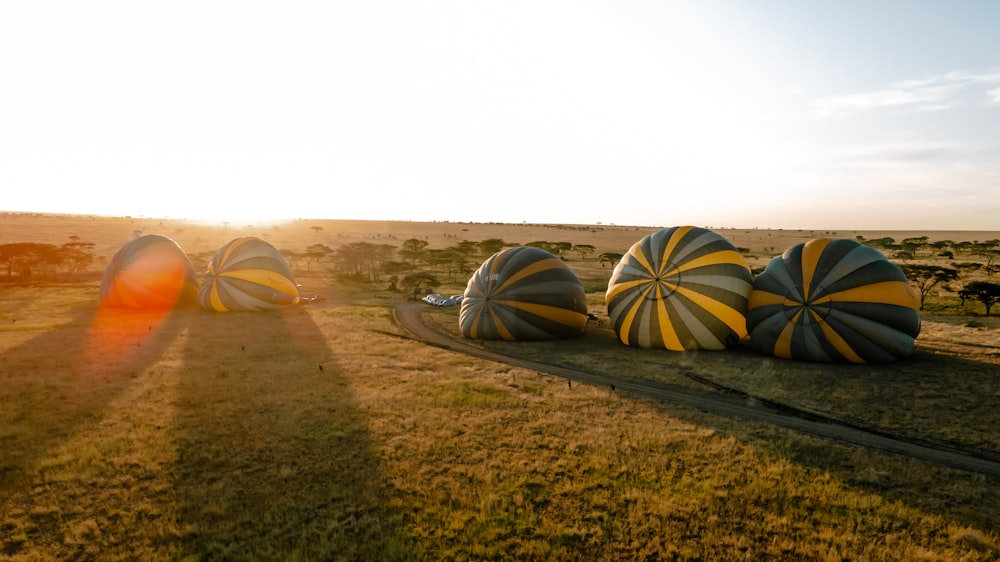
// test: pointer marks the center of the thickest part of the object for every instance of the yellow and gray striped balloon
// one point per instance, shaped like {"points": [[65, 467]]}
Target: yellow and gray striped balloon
{"points": [[681, 288], [523, 293], [835, 301], [152, 272], [248, 274]]}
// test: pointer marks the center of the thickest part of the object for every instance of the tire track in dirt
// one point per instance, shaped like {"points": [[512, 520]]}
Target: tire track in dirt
{"points": [[409, 315]]}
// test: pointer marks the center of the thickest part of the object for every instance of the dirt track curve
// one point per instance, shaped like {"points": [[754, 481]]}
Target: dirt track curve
{"points": [[409, 315]]}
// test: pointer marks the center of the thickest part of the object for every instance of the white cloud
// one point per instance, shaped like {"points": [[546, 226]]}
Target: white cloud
{"points": [[935, 93]]}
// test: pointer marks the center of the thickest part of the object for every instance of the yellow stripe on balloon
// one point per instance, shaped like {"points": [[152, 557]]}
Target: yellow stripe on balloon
{"points": [[715, 258], [812, 251], [837, 341], [530, 269], [783, 345], [264, 277], [671, 245], [626, 286], [554, 313], [630, 314], [667, 331], [760, 298], [731, 317], [886, 292]]}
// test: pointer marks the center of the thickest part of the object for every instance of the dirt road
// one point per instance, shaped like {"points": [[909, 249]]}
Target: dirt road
{"points": [[409, 315]]}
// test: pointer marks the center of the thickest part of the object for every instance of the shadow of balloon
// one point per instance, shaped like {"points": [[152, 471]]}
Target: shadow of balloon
{"points": [[963, 498], [274, 459], [64, 379]]}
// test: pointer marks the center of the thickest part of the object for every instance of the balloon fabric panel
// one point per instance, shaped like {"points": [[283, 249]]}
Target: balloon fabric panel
{"points": [[833, 300], [248, 274], [151, 271], [523, 293], [681, 288]]}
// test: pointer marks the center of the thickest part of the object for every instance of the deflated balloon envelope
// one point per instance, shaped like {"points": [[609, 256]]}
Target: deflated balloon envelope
{"points": [[833, 300], [248, 274], [523, 293], [152, 272], [681, 288]]}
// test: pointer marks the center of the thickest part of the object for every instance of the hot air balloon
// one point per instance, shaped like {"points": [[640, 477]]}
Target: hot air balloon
{"points": [[836, 301], [152, 272], [248, 274], [523, 293], [681, 288]]}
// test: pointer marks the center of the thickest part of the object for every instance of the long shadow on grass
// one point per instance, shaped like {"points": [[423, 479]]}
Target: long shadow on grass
{"points": [[274, 460], [967, 499], [64, 378]]}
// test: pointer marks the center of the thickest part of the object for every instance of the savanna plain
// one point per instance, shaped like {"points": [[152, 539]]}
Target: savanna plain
{"points": [[326, 431]]}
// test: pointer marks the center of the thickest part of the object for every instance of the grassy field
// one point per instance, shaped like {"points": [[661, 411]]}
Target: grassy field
{"points": [[322, 432]]}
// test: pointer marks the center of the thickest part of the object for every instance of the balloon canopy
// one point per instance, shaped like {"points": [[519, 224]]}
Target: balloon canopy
{"points": [[833, 301], [248, 274], [681, 288], [151, 271], [523, 293]]}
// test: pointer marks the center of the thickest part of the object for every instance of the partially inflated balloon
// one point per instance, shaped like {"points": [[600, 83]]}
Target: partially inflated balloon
{"points": [[833, 301], [248, 274], [523, 293], [152, 272], [681, 288]]}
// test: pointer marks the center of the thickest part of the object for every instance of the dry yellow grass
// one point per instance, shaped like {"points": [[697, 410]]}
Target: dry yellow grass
{"points": [[314, 433]]}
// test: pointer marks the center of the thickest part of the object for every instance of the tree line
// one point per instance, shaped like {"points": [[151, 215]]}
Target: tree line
{"points": [[406, 266], [27, 262]]}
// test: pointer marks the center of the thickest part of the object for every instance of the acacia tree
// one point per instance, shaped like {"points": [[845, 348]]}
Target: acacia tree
{"points": [[413, 250], [560, 248], [926, 277], [75, 256], [914, 245], [363, 260], [315, 253], [543, 245], [418, 278], [984, 292], [584, 250], [27, 259], [491, 246], [610, 258]]}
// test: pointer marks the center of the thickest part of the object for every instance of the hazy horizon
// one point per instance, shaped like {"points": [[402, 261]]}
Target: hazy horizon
{"points": [[840, 231]]}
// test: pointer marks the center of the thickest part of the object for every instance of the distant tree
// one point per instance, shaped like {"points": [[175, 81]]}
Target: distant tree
{"points": [[491, 246], [884, 243], [76, 256], [584, 250], [926, 277], [541, 244], [611, 258], [418, 278], [395, 268], [914, 245], [413, 250], [941, 246], [28, 259], [315, 253], [448, 260], [964, 246], [989, 250], [560, 248], [316, 229], [466, 248], [362, 260], [984, 292]]}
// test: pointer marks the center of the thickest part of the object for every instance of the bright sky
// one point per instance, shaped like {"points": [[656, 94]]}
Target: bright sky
{"points": [[742, 113]]}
